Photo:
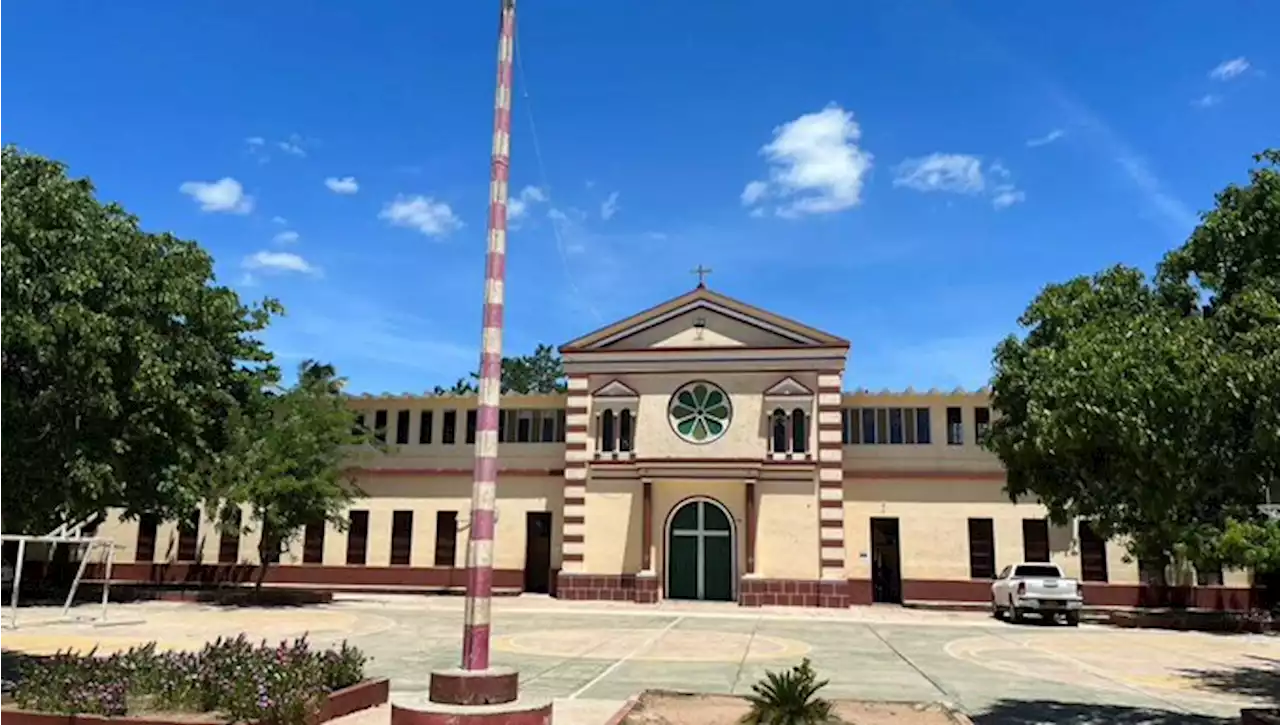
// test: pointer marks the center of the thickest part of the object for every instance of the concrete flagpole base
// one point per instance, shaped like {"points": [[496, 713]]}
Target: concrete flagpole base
{"points": [[475, 697]]}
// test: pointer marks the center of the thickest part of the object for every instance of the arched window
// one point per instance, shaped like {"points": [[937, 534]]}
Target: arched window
{"points": [[624, 430], [778, 433], [799, 432], [607, 438]]}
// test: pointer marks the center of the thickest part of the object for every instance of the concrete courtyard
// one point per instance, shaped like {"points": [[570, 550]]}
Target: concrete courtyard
{"points": [[591, 656]]}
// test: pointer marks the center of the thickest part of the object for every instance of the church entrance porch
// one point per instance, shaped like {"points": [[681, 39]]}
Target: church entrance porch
{"points": [[701, 552]]}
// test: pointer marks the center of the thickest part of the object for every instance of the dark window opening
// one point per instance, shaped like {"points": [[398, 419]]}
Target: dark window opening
{"points": [[981, 422], [358, 429], [778, 436], [229, 540], [446, 538], [401, 537], [380, 425], [923, 436], [955, 427], [471, 427], [313, 543], [982, 549], [189, 537], [358, 538], [624, 430], [799, 432], [402, 427], [895, 426], [1093, 554], [449, 428], [424, 428], [145, 548], [1035, 540], [607, 436], [868, 425]]}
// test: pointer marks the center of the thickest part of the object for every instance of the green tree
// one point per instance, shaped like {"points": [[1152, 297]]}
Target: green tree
{"points": [[541, 372], [289, 465], [123, 360], [1153, 408]]}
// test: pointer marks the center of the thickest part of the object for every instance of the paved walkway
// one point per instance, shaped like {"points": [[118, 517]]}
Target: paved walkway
{"points": [[590, 657]]}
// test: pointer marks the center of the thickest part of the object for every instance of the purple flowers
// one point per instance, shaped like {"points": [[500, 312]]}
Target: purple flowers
{"points": [[280, 685]]}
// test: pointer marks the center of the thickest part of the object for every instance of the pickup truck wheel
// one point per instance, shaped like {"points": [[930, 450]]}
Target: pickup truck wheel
{"points": [[996, 611], [1073, 619], [1015, 615]]}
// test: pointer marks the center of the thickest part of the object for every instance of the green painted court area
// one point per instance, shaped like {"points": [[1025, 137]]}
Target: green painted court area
{"points": [[591, 657]]}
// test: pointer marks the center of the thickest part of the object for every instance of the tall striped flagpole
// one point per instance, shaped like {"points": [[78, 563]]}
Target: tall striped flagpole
{"points": [[475, 636]]}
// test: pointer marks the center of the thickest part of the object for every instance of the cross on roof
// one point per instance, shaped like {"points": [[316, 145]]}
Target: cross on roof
{"points": [[702, 273]]}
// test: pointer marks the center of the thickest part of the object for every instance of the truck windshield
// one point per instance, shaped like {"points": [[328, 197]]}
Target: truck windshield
{"points": [[1038, 570]]}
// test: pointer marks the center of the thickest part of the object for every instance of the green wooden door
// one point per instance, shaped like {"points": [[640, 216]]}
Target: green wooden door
{"points": [[700, 553]]}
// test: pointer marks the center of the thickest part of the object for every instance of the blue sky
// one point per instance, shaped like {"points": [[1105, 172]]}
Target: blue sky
{"points": [[905, 174]]}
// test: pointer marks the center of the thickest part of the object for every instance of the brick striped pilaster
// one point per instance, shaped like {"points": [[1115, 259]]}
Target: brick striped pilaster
{"points": [[830, 478], [484, 487], [573, 547]]}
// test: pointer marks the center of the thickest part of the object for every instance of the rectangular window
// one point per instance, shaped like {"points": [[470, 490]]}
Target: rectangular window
{"points": [[313, 543], [923, 436], [402, 427], [895, 426], [909, 427], [189, 537], [424, 428], [981, 422], [1093, 554], [955, 427], [982, 549], [449, 428], [358, 538], [358, 429], [1035, 540], [505, 430], [471, 426], [547, 430], [272, 554], [401, 537], [868, 425], [446, 538], [229, 540], [380, 425], [524, 426], [144, 551], [560, 416], [1151, 572], [882, 425]]}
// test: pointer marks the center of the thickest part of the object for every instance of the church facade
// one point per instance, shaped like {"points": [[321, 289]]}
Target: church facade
{"points": [[705, 449]]}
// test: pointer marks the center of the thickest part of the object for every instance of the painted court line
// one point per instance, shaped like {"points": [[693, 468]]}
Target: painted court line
{"points": [[639, 648]]}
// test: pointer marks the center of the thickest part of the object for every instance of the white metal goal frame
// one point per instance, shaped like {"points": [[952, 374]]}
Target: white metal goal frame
{"points": [[62, 536]]}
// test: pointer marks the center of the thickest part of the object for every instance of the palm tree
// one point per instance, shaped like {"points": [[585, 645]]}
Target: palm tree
{"points": [[789, 697]]}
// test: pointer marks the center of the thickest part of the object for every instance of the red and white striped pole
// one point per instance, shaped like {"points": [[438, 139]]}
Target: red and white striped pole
{"points": [[475, 636]]}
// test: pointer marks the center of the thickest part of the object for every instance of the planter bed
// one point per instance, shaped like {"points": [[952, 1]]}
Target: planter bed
{"points": [[677, 708], [1199, 620], [229, 680], [360, 696]]}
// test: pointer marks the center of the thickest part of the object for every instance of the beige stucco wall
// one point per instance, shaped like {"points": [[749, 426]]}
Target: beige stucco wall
{"points": [[719, 331], [614, 519], [787, 530]]}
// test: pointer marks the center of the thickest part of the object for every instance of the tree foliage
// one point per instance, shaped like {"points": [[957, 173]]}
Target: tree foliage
{"points": [[789, 697], [123, 360], [541, 372], [287, 464], [1152, 408]]}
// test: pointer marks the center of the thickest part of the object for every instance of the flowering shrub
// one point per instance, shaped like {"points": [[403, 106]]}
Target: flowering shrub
{"points": [[280, 685]]}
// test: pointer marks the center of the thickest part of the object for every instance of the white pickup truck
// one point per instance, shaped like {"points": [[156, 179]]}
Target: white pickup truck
{"points": [[1038, 587]]}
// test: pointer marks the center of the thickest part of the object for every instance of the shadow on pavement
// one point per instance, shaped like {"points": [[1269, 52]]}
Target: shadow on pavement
{"points": [[1041, 712], [1259, 679]]}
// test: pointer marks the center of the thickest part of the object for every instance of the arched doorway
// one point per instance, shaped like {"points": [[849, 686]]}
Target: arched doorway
{"points": [[701, 552]]}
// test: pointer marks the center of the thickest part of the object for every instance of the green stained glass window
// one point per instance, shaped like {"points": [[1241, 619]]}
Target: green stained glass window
{"points": [[700, 412]]}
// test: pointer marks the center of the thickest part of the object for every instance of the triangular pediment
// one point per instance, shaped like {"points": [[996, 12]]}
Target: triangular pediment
{"points": [[703, 318], [787, 387], [615, 389]]}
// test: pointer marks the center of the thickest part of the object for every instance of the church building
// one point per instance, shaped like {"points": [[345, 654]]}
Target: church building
{"points": [[705, 449]]}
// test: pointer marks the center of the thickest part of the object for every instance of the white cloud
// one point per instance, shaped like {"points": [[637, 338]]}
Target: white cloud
{"points": [[255, 141], [556, 214], [344, 185], [609, 207], [1007, 197], [518, 205], [294, 146], [815, 162], [284, 262], [279, 220], [224, 195], [1046, 139], [753, 192], [1207, 100], [955, 173], [1228, 69], [285, 237], [432, 218]]}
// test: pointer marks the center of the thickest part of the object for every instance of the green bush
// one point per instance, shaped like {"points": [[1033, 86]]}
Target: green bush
{"points": [[280, 685], [789, 697]]}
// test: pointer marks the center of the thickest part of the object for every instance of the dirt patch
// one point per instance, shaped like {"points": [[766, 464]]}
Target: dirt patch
{"points": [[674, 708]]}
